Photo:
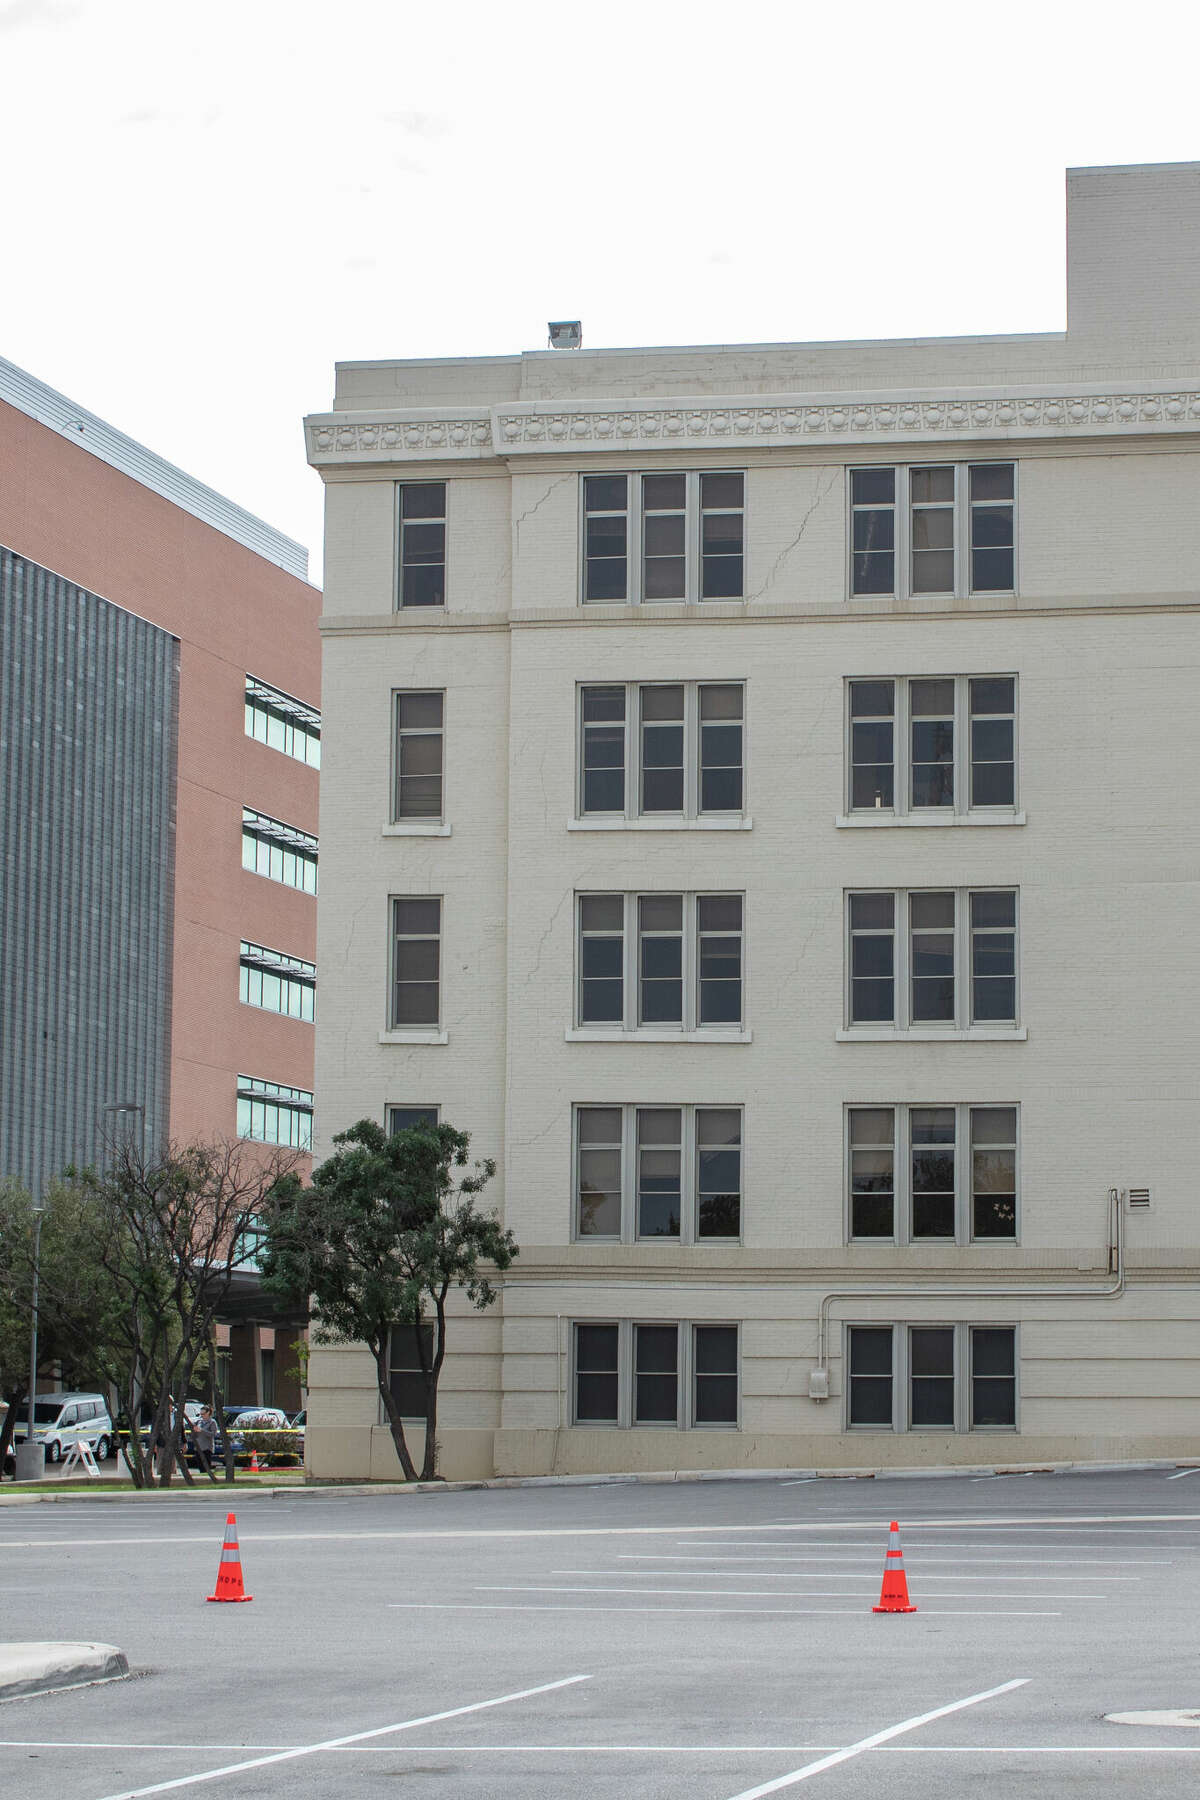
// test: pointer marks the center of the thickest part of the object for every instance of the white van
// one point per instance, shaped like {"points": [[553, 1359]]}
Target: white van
{"points": [[60, 1420]]}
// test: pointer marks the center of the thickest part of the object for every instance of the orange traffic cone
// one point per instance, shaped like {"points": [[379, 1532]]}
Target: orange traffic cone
{"points": [[254, 1468], [229, 1572], [893, 1596]]}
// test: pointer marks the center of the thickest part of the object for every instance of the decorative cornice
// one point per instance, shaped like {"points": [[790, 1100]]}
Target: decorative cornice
{"points": [[535, 428]]}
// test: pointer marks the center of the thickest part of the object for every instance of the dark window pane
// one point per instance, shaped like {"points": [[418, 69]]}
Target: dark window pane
{"points": [[424, 544], [992, 571], [868, 485], [993, 694], [656, 1359], [993, 907], [662, 790], [872, 1002], [605, 579], [604, 493], [868, 911], [871, 955], [423, 500], [603, 703], [418, 711], [721, 578], [416, 1003], [662, 703], [596, 1399], [721, 490], [418, 917], [724, 702], [602, 912], [871, 699], [603, 790], [606, 535], [873, 573], [874, 532], [871, 1215], [992, 784], [992, 481], [408, 1118], [871, 1350], [873, 786], [932, 484], [872, 741], [663, 535], [664, 493], [994, 1000], [992, 740], [424, 585], [994, 1216], [932, 1402], [720, 790], [992, 528], [993, 1350], [664, 578], [604, 746]]}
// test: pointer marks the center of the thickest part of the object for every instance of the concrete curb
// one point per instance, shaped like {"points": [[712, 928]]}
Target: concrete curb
{"points": [[46, 1667], [225, 1493]]}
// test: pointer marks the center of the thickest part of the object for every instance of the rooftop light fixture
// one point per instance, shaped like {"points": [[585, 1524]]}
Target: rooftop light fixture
{"points": [[565, 334]]}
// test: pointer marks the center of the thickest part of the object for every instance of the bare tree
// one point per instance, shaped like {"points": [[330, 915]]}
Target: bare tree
{"points": [[169, 1235]]}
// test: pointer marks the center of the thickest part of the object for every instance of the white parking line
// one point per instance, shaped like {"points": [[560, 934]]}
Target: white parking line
{"points": [[531, 1587], [1180, 1474], [356, 1737], [872, 1557], [722, 1612], [877, 1737], [826, 1575]]}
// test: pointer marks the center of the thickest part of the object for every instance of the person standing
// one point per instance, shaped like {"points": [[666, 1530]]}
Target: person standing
{"points": [[204, 1436]]}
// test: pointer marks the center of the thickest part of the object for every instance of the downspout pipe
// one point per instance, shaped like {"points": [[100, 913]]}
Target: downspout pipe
{"points": [[1007, 1291]]}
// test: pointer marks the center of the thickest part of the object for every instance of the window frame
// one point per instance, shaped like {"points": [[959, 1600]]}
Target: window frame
{"points": [[635, 514], [902, 1378], [902, 549], [298, 719], [632, 1025], [426, 1329], [686, 1373], [693, 744], [424, 1027], [262, 830], [902, 1023], [253, 1090], [901, 1236], [408, 821], [689, 1234], [902, 808], [289, 971], [391, 1107], [398, 604]]}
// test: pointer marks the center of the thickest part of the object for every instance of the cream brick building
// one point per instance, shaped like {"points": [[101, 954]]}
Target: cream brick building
{"points": [[760, 803]]}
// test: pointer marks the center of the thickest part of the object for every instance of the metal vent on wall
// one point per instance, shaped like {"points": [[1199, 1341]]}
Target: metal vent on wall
{"points": [[1139, 1199]]}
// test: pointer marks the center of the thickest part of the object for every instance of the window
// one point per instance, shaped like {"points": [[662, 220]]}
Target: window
{"points": [[282, 722], [932, 1173], [932, 961], [663, 538], [405, 1118], [660, 961], [422, 526], [416, 961], [418, 760], [406, 1346], [941, 528], [645, 1172], [931, 1377], [932, 746], [662, 751], [278, 851], [679, 1375], [277, 982], [270, 1113]]}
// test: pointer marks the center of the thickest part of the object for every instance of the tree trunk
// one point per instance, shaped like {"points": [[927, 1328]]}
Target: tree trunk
{"points": [[429, 1470], [14, 1397], [395, 1422]]}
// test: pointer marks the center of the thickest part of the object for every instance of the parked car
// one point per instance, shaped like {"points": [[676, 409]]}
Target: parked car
{"points": [[60, 1420], [266, 1430]]}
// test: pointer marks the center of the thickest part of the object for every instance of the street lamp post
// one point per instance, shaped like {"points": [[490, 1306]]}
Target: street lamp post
{"points": [[31, 1456]]}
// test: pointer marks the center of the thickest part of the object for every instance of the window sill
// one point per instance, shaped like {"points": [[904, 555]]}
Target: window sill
{"points": [[419, 1035], [976, 1034], [740, 823], [415, 829], [594, 1034], [876, 820]]}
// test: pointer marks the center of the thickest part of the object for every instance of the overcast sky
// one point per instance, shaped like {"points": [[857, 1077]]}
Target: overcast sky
{"points": [[205, 206]]}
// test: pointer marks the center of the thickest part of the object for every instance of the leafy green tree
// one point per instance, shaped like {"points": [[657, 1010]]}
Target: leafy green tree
{"points": [[387, 1229], [72, 1307]]}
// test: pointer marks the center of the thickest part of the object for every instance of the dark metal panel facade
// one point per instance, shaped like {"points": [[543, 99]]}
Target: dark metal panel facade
{"points": [[88, 756]]}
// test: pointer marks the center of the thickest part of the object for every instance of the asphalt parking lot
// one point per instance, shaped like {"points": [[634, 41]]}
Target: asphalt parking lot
{"points": [[709, 1641]]}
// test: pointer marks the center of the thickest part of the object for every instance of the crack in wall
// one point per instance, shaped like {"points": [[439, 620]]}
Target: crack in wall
{"points": [[536, 507], [821, 494]]}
